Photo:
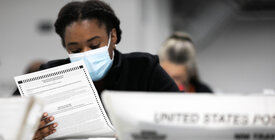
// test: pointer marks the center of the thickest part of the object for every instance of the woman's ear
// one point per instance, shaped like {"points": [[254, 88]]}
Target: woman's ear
{"points": [[113, 37]]}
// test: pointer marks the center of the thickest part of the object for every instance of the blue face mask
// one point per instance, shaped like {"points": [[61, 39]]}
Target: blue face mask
{"points": [[97, 61]]}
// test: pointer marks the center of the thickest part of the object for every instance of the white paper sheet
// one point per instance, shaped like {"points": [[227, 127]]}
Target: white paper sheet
{"points": [[19, 117], [71, 98], [174, 116]]}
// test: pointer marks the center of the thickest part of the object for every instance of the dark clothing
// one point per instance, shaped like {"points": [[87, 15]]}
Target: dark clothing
{"points": [[16, 93], [130, 72], [201, 87]]}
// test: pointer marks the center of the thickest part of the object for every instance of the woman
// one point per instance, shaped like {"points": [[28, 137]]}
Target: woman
{"points": [[89, 31], [177, 58]]}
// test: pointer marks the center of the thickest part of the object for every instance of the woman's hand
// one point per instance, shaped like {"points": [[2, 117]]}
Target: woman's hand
{"points": [[44, 128]]}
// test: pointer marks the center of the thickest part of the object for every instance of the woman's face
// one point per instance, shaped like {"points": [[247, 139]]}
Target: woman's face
{"points": [[85, 35], [177, 72]]}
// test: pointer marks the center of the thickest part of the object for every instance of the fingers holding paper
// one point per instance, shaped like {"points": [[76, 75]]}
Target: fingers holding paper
{"points": [[45, 120], [45, 129]]}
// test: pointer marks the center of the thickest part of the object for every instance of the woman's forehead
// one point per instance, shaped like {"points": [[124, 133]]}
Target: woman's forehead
{"points": [[86, 24], [84, 29]]}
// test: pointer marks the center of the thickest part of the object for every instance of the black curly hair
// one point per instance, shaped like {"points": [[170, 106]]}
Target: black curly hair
{"points": [[90, 9]]}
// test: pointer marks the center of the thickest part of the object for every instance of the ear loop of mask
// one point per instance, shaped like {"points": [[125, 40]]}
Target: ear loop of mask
{"points": [[109, 41]]}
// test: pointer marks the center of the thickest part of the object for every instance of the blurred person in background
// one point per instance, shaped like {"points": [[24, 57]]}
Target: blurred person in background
{"points": [[32, 67], [89, 31], [178, 58]]}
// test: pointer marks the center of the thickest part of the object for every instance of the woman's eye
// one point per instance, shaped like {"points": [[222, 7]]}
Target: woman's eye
{"points": [[76, 51], [94, 46]]}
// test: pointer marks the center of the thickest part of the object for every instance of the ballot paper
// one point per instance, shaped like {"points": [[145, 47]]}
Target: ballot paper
{"points": [[19, 117], [140, 116], [71, 98]]}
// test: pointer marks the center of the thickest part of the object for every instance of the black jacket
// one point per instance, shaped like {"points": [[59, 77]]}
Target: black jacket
{"points": [[130, 72], [201, 87]]}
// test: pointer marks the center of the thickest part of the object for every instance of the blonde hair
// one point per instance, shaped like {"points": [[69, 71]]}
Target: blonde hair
{"points": [[179, 49]]}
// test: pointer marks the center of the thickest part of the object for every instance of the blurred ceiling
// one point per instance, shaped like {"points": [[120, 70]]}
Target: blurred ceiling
{"points": [[256, 5], [205, 19]]}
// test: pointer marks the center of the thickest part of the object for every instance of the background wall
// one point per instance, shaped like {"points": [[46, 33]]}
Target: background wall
{"points": [[21, 39], [241, 58]]}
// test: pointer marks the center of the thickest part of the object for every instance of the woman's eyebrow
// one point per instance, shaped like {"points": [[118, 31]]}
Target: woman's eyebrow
{"points": [[93, 38], [72, 43]]}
